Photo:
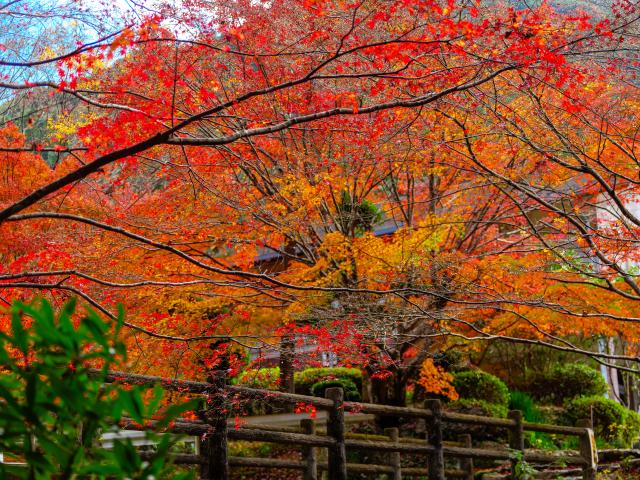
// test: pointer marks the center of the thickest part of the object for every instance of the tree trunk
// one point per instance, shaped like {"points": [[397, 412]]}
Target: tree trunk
{"points": [[390, 390], [287, 356]]}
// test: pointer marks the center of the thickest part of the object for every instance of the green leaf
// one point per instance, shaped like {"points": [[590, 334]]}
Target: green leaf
{"points": [[133, 404], [62, 408], [19, 333]]}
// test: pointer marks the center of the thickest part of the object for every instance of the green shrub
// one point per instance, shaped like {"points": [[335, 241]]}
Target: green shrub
{"points": [[567, 381], [269, 378], [481, 408], [351, 391], [631, 429], [264, 378], [305, 379], [530, 413], [479, 385], [612, 423], [478, 432], [55, 402]]}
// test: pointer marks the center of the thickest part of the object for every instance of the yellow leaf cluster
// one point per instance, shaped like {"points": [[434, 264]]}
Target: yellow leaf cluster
{"points": [[65, 125]]}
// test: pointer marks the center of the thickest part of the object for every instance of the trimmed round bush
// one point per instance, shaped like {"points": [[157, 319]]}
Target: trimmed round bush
{"points": [[479, 385], [568, 381], [612, 422], [351, 391], [305, 379]]}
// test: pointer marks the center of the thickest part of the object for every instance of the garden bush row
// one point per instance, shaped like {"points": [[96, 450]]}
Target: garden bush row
{"points": [[305, 380], [565, 382], [570, 391], [575, 391]]}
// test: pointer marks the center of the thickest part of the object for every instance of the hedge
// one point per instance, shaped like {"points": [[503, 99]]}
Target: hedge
{"points": [[351, 392], [269, 378], [305, 379], [612, 422], [479, 385], [568, 381]]}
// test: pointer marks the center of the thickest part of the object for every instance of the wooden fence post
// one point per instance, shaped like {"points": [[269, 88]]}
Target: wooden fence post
{"points": [[214, 445], [588, 450], [396, 462], [516, 438], [308, 426], [335, 429], [434, 438], [466, 463]]}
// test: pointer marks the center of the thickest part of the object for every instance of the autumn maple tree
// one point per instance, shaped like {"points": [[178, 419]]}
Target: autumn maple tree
{"points": [[395, 177]]}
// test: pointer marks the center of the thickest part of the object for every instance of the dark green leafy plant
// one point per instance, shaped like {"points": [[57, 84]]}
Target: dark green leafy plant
{"points": [[568, 381], [612, 423], [530, 413], [476, 384], [351, 392], [522, 469], [53, 407], [305, 379], [523, 402], [359, 216]]}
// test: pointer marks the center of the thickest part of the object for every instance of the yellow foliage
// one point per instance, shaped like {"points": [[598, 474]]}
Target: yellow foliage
{"points": [[408, 249], [66, 125]]}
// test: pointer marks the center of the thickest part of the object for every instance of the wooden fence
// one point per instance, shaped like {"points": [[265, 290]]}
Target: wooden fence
{"points": [[214, 430]]}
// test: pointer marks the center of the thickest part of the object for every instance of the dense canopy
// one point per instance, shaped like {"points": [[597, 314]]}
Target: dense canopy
{"points": [[393, 178]]}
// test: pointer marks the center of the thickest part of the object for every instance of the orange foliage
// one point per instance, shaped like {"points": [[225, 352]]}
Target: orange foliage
{"points": [[434, 379]]}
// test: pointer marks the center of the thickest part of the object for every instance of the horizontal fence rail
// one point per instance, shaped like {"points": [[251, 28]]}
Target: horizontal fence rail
{"points": [[215, 462]]}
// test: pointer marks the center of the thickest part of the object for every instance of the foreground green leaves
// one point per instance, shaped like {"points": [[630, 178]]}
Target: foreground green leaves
{"points": [[53, 408]]}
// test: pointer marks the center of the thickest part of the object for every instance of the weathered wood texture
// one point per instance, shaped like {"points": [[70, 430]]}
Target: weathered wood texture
{"points": [[309, 453], [588, 450], [395, 459], [434, 437], [335, 429], [213, 429], [516, 440], [466, 463]]}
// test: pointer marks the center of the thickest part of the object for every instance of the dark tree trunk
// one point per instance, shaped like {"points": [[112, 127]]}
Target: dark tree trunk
{"points": [[287, 357], [390, 390]]}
